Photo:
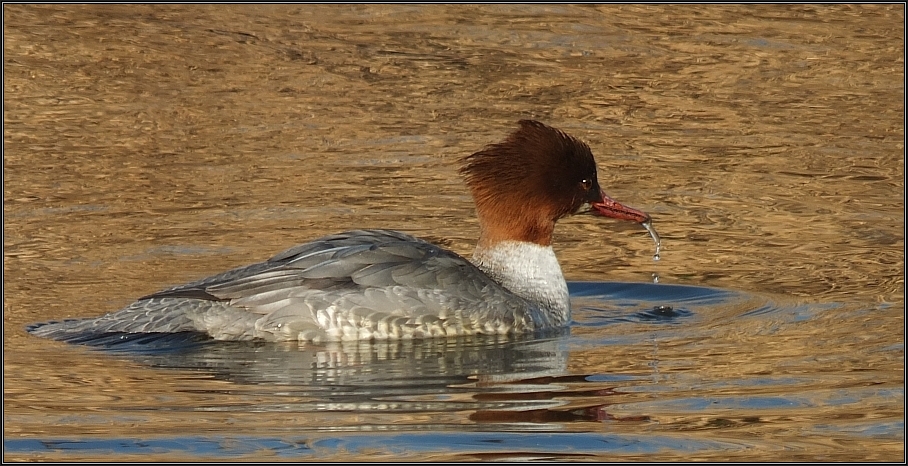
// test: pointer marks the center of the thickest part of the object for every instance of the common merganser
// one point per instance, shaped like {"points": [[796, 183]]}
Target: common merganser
{"points": [[381, 284]]}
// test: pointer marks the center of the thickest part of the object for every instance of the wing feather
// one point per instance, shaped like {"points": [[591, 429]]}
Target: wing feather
{"points": [[351, 285]]}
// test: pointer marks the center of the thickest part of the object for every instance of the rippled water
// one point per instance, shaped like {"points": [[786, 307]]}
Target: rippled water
{"points": [[149, 146]]}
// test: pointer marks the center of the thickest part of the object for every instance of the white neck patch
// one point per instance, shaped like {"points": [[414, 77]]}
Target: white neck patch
{"points": [[530, 271]]}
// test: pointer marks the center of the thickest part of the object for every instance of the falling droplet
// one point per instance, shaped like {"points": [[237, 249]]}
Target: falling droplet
{"points": [[652, 232], [655, 278]]}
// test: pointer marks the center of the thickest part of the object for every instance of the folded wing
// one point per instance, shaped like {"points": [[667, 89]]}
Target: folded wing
{"points": [[364, 284]]}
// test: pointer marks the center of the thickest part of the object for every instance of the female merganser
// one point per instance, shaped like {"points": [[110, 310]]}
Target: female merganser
{"points": [[381, 284]]}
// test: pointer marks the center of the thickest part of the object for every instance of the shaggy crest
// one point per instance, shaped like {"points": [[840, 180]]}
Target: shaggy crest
{"points": [[524, 184]]}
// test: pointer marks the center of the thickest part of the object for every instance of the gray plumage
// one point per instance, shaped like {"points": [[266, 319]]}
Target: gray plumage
{"points": [[365, 284]]}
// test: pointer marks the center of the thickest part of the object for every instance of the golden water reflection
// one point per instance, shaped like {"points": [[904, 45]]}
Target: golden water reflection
{"points": [[146, 146]]}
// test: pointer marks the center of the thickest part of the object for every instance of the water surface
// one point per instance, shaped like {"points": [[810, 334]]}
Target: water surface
{"points": [[146, 146]]}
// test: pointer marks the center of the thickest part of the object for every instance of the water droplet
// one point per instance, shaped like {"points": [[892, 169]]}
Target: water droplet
{"points": [[652, 232], [655, 278]]}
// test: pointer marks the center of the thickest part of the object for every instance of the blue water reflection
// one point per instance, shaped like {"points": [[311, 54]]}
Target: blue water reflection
{"points": [[519, 397]]}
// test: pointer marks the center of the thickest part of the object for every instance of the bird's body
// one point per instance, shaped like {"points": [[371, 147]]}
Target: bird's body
{"points": [[382, 284]]}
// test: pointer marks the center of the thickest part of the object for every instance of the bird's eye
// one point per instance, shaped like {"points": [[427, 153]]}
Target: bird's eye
{"points": [[586, 184]]}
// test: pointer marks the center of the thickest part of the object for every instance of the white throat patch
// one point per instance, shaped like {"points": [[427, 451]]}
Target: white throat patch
{"points": [[528, 270]]}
